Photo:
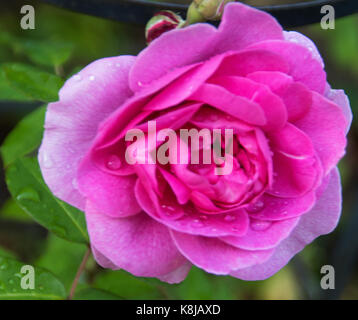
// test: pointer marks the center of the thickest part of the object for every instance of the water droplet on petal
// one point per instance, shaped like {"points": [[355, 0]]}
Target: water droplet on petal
{"points": [[118, 65], [92, 78], [140, 84], [214, 229], [75, 184], [203, 217], [197, 223], [46, 160], [28, 194], [229, 218], [169, 210], [113, 163], [259, 225], [256, 207], [77, 77]]}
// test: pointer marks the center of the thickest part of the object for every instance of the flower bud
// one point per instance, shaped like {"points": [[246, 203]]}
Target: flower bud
{"points": [[161, 22], [202, 10]]}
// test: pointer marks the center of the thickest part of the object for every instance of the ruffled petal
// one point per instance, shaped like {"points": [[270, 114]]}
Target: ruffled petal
{"points": [[71, 124], [263, 235], [215, 256], [136, 244], [303, 66], [326, 125], [322, 219]]}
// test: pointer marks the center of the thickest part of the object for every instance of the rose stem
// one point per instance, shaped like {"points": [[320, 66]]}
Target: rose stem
{"points": [[78, 274]]}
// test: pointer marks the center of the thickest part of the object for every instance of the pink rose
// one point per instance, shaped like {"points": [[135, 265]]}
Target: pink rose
{"points": [[157, 220]]}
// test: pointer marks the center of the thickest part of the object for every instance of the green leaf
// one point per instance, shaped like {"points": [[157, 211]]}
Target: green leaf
{"points": [[27, 187], [71, 256], [33, 83], [9, 92], [47, 53], [127, 286], [11, 210], [25, 137], [47, 286], [95, 294]]}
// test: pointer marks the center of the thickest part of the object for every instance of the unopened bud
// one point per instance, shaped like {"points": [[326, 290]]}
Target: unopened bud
{"points": [[161, 22], [202, 10]]}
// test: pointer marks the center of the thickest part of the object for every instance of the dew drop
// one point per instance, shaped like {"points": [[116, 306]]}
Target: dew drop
{"points": [[214, 229], [75, 184], [118, 65], [28, 194], [258, 225], [168, 209], [203, 217], [229, 218], [77, 77], [140, 84], [92, 78], [197, 223], [113, 163], [11, 281], [47, 162], [256, 207]]}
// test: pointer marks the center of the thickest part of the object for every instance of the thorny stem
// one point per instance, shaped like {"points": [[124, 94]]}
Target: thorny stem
{"points": [[78, 274]]}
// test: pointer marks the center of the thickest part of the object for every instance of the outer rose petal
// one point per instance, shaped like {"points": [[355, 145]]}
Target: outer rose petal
{"points": [[341, 99], [272, 234], [301, 39], [71, 124], [215, 256], [241, 25], [329, 138], [322, 219], [136, 244], [113, 195], [176, 276], [304, 67]]}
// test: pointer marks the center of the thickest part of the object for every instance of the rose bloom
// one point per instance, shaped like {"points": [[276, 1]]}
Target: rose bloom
{"points": [[156, 220]]}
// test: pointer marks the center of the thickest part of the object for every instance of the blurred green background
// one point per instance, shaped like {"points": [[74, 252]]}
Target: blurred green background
{"points": [[64, 42]]}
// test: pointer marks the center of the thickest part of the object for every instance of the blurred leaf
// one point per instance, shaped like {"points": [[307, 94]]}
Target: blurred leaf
{"points": [[6, 253], [71, 256], [9, 92], [27, 187], [125, 285], [199, 285], [11, 210], [25, 137], [33, 83], [15, 236], [95, 294], [47, 287], [47, 53]]}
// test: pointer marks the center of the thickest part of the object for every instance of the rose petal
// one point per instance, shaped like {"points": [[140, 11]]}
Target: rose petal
{"points": [[136, 244], [215, 256], [113, 195], [303, 66], [263, 235], [322, 219], [326, 125], [71, 124], [233, 105]]}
